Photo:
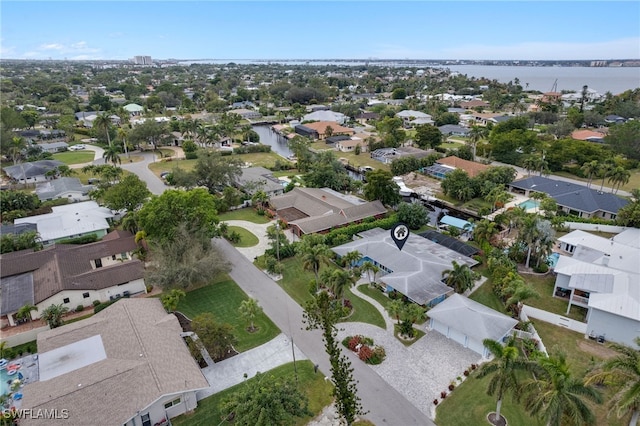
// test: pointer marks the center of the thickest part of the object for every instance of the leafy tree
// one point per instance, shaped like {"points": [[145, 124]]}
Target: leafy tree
{"points": [[299, 145], [150, 132], [380, 186], [53, 315], [249, 310], [163, 214], [327, 171], [629, 215], [30, 117], [322, 313], [399, 93], [428, 136], [171, 299], [503, 370], [18, 200], [460, 277], [413, 214], [189, 146], [623, 373], [216, 172], [625, 139], [457, 184], [391, 132], [447, 118], [266, 401], [128, 194], [17, 242], [185, 260], [218, 339], [558, 398]]}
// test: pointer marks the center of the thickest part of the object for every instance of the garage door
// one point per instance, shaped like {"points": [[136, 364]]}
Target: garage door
{"points": [[457, 336], [439, 327], [476, 346]]}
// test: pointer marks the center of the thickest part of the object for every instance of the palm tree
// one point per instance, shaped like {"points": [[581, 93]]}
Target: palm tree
{"points": [[53, 315], [313, 256], [122, 134], [24, 313], [103, 122], [606, 168], [395, 308], [485, 230], [249, 310], [476, 134], [171, 300], [590, 169], [503, 369], [112, 154], [557, 397], [16, 146], [460, 277], [529, 164], [516, 291], [619, 176], [497, 195], [370, 268], [529, 234], [622, 372], [351, 258], [338, 280]]}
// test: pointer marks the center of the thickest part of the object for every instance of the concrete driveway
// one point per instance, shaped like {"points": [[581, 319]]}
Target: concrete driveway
{"points": [[257, 229]]}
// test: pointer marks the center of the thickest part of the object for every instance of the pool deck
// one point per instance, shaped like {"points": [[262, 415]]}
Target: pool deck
{"points": [[29, 371]]}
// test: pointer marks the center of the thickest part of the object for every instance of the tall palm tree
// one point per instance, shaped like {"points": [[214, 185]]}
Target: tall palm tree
{"points": [[529, 164], [112, 155], [476, 134], [103, 122], [122, 135], [605, 169], [370, 269], [351, 258], [16, 146], [395, 308], [528, 233], [53, 315], [313, 256], [485, 230], [338, 280], [590, 168], [557, 397], [623, 373], [460, 277], [503, 370], [619, 176]]}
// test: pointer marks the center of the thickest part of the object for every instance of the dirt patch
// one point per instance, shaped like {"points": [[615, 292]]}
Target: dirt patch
{"points": [[596, 349], [421, 183]]}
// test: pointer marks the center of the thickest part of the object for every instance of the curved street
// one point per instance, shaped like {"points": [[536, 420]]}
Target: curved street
{"points": [[141, 168]]}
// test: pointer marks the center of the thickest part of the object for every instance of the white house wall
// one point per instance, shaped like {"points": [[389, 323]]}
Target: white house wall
{"points": [[76, 298], [614, 327], [157, 412]]}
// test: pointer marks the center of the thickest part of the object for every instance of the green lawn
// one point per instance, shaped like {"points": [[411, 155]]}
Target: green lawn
{"points": [[417, 333], [317, 389], [222, 298], [469, 405], [375, 294], [544, 287], [451, 145], [249, 214], [247, 239], [485, 295], [364, 311], [364, 159], [634, 180], [74, 157]]}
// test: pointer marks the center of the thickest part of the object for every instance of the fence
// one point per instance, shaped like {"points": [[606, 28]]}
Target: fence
{"points": [[613, 229], [555, 319], [533, 334]]}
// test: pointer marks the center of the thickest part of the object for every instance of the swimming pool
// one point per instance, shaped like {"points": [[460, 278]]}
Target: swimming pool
{"points": [[552, 260], [529, 204]]}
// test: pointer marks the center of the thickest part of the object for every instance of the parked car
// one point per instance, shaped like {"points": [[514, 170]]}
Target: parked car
{"points": [[164, 174], [78, 147]]}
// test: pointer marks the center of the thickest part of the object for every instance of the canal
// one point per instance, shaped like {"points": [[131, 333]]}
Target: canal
{"points": [[278, 143]]}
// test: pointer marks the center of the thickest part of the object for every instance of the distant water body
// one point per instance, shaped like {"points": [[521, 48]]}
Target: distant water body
{"points": [[601, 79], [606, 79]]}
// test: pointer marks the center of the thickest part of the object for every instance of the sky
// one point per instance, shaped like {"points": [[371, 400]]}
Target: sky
{"points": [[539, 30]]}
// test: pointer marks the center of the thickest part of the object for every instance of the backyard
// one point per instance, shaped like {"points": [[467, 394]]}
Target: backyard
{"points": [[317, 389], [544, 286], [222, 298]]}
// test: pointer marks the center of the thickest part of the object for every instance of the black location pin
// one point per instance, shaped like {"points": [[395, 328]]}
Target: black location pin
{"points": [[400, 234]]}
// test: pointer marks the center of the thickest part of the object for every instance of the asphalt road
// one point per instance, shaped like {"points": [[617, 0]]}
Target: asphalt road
{"points": [[141, 168], [384, 405]]}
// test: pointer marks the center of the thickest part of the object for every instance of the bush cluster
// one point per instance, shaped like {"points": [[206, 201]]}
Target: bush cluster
{"points": [[342, 235], [365, 349]]}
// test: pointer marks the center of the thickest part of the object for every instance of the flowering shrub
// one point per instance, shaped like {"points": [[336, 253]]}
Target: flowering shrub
{"points": [[365, 349], [353, 343], [365, 353]]}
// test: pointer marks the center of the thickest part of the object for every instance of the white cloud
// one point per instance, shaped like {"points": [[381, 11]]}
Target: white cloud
{"points": [[626, 48], [52, 46], [77, 50]]}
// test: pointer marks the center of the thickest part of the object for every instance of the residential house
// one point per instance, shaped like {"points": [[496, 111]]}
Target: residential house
{"points": [[71, 221], [364, 117], [349, 145], [134, 109], [409, 116], [246, 113], [320, 127], [475, 103], [335, 139], [454, 130], [336, 117], [415, 271], [318, 210], [483, 119], [469, 323], [35, 171], [444, 166], [603, 276], [64, 187], [305, 131], [572, 198], [588, 135], [387, 155], [614, 119], [254, 179], [127, 365], [10, 228], [70, 275], [53, 147]]}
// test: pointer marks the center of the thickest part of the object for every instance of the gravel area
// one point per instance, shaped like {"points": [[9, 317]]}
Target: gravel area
{"points": [[421, 371]]}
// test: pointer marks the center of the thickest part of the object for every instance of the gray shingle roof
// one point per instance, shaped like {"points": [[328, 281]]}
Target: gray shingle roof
{"points": [[572, 195], [472, 318], [52, 188], [33, 169]]}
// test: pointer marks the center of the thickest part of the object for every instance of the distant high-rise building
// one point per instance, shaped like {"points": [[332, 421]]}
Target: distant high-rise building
{"points": [[142, 60]]}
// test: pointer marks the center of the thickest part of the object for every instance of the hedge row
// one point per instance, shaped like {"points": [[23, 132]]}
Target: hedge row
{"points": [[342, 235]]}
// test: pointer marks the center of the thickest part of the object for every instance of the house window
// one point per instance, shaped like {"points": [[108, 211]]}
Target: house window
{"points": [[85, 295], [98, 263], [113, 257], [124, 255], [65, 300], [146, 420], [172, 403]]}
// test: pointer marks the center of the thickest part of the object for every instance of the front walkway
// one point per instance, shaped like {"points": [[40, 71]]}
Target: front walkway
{"points": [[224, 374], [260, 231]]}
